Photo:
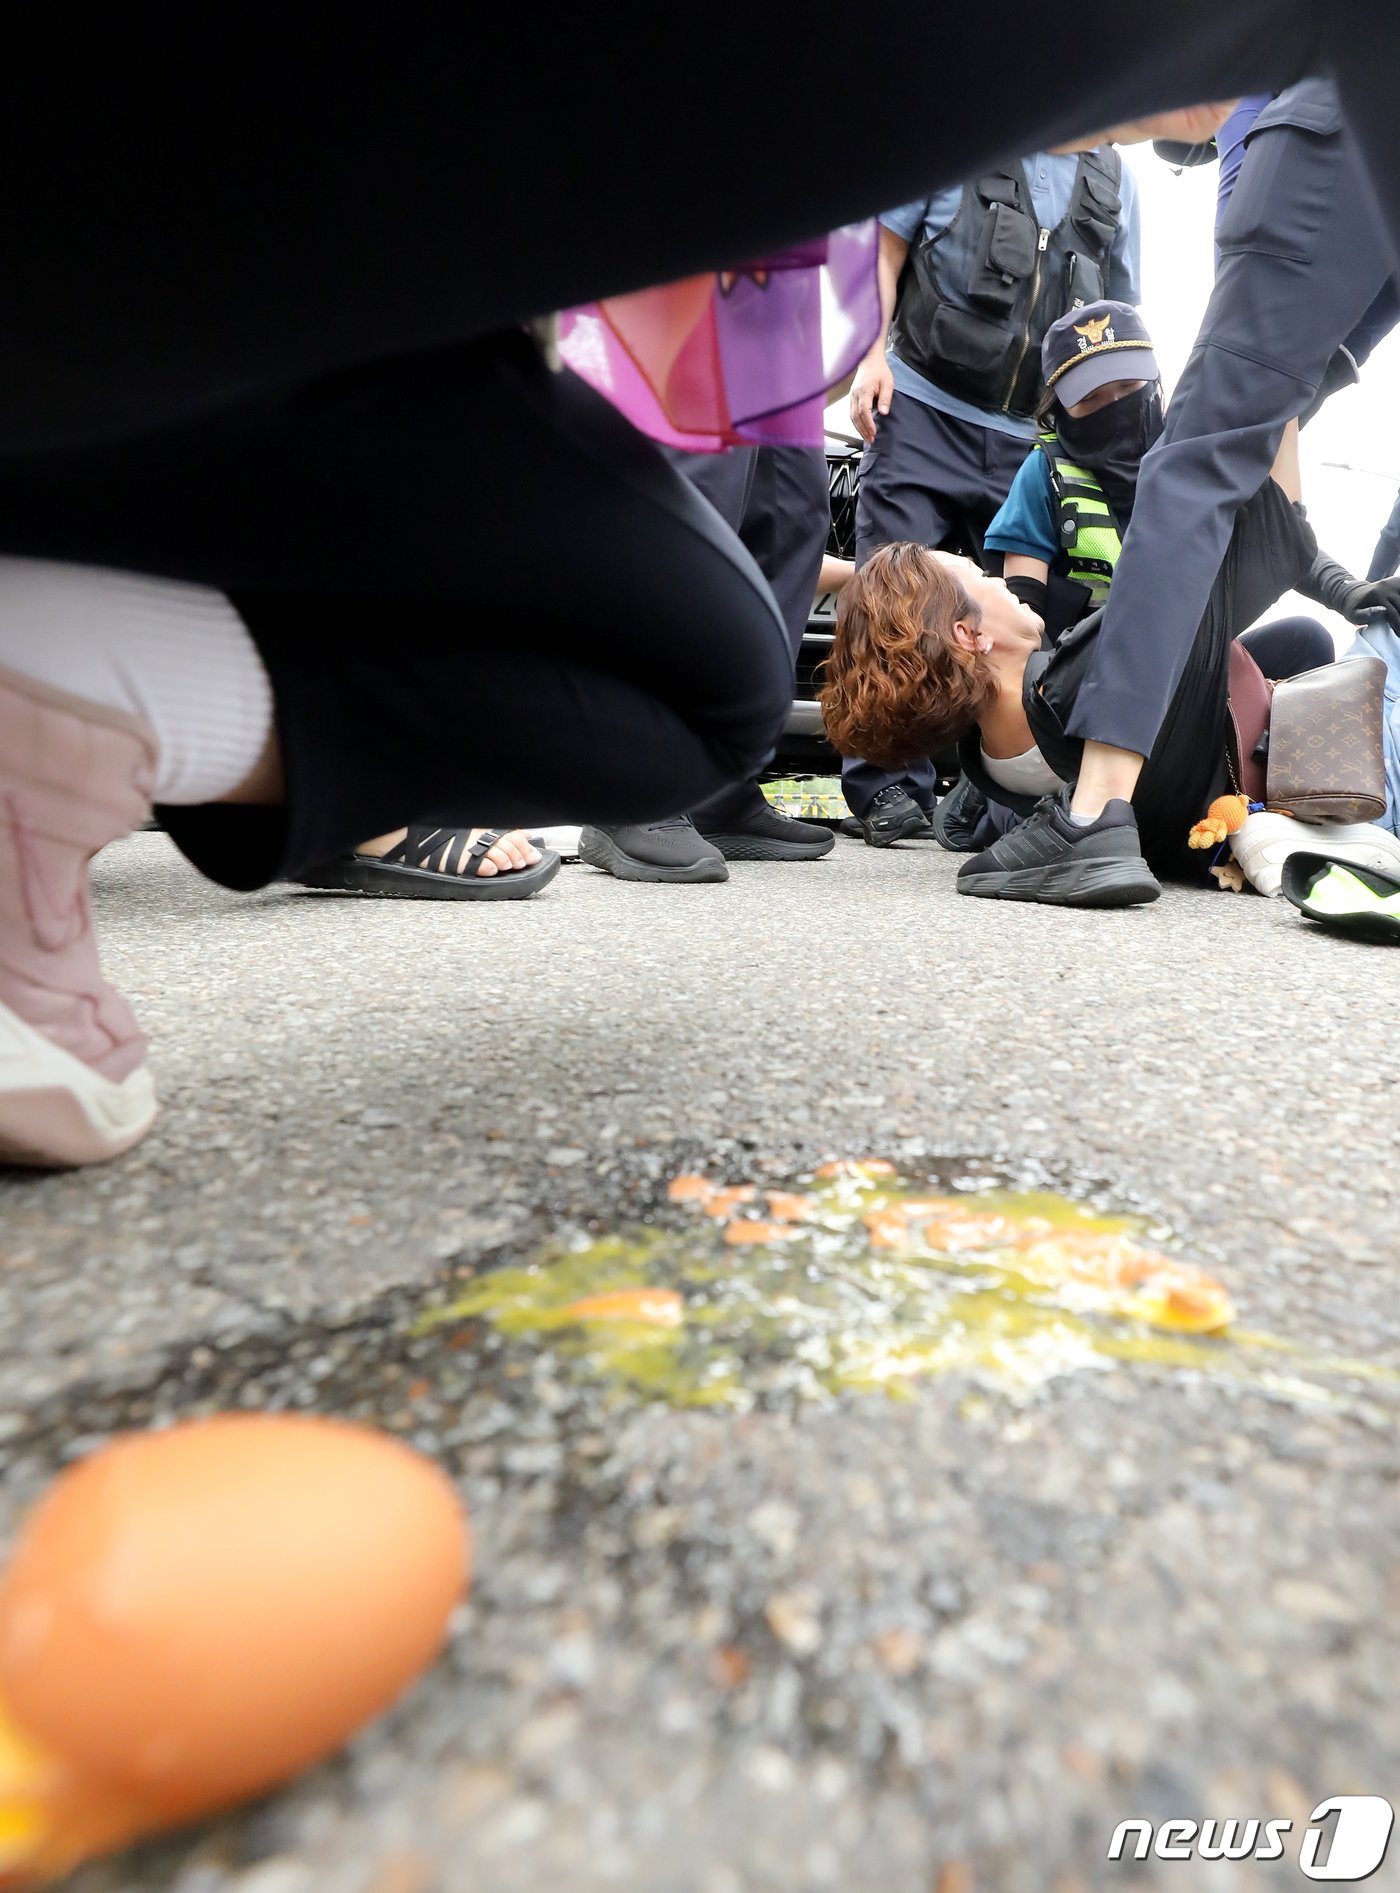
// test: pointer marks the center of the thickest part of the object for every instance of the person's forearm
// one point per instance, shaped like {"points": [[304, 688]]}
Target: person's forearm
{"points": [[1190, 125], [889, 266], [1286, 471], [1022, 565]]}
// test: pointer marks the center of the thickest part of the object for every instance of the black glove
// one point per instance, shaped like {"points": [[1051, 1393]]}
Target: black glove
{"points": [[1355, 598]]}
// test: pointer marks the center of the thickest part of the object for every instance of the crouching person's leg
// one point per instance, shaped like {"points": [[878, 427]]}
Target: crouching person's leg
{"points": [[113, 690], [621, 659]]}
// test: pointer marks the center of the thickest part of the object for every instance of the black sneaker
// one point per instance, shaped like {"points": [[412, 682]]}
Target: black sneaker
{"points": [[749, 828], [1050, 858], [653, 851], [893, 816], [958, 816]]}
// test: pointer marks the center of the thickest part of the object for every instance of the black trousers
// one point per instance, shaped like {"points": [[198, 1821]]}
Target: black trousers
{"points": [[250, 267], [1285, 647], [619, 655], [939, 481], [1302, 260], [776, 500]]}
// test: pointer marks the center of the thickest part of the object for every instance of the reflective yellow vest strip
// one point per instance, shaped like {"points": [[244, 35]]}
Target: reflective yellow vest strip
{"points": [[1089, 537]]}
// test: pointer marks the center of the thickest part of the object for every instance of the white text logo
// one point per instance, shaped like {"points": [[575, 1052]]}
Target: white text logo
{"points": [[1345, 1840]]}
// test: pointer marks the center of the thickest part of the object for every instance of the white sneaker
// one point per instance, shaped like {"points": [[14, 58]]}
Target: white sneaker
{"points": [[1265, 842], [74, 1087]]}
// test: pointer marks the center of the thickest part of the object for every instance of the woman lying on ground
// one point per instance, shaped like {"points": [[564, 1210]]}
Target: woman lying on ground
{"points": [[1060, 533], [1060, 529], [931, 651]]}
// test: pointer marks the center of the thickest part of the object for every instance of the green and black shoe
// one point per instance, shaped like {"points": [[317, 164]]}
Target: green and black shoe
{"points": [[1349, 899]]}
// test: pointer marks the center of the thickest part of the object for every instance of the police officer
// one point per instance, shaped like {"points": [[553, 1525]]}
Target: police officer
{"points": [[970, 280], [1303, 259]]}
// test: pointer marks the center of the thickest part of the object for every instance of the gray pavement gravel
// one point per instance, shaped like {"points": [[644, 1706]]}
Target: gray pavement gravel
{"points": [[942, 1645]]}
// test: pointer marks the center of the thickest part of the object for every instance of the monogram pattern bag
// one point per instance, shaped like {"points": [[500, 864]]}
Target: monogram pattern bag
{"points": [[1326, 758], [1311, 745]]}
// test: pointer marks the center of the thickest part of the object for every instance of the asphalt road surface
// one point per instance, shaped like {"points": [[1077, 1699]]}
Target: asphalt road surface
{"points": [[937, 1644]]}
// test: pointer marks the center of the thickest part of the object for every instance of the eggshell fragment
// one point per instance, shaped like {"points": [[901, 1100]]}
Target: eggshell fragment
{"points": [[1169, 1293], [887, 1228], [689, 1189], [724, 1202], [786, 1207], [1193, 1308], [658, 1307], [193, 1615], [966, 1231]]}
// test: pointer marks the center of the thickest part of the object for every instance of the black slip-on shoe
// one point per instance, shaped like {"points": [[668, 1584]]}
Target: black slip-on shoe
{"points": [[893, 816], [1051, 859], [1344, 897], [958, 816], [672, 850], [765, 833]]}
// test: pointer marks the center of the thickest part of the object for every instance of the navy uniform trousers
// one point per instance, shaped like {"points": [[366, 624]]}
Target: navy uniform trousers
{"points": [[259, 310], [1303, 257]]}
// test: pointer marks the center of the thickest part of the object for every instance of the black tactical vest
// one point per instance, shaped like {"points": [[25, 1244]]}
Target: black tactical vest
{"points": [[973, 304]]}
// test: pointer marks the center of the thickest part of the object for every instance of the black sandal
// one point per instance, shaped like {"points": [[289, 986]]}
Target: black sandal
{"points": [[403, 873]]}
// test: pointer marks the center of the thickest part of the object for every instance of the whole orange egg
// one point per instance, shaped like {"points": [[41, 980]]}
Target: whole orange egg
{"points": [[196, 1614]]}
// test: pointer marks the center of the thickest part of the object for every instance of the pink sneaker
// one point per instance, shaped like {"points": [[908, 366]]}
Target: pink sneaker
{"points": [[74, 1087]]}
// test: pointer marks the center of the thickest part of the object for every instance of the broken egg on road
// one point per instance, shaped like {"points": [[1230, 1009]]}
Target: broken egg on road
{"points": [[854, 1277]]}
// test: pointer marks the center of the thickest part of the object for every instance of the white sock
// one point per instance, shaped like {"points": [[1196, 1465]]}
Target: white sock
{"points": [[1081, 821], [178, 655]]}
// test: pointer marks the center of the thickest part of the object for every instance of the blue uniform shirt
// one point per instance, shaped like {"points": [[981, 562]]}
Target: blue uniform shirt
{"points": [[1029, 519], [1050, 182], [1230, 143]]}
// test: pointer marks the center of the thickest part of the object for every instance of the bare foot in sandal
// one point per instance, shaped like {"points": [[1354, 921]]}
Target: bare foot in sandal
{"points": [[421, 862], [513, 849]]}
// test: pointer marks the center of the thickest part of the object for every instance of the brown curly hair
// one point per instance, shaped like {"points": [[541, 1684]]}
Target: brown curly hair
{"points": [[898, 684]]}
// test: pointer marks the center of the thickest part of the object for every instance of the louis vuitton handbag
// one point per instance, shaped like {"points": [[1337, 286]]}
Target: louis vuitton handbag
{"points": [[1312, 745]]}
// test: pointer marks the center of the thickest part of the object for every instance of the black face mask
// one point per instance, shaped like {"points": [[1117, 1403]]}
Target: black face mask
{"points": [[1111, 442]]}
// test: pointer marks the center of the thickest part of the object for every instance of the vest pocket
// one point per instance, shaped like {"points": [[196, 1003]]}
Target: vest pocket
{"points": [[967, 341], [1084, 281], [1095, 209], [1005, 258]]}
